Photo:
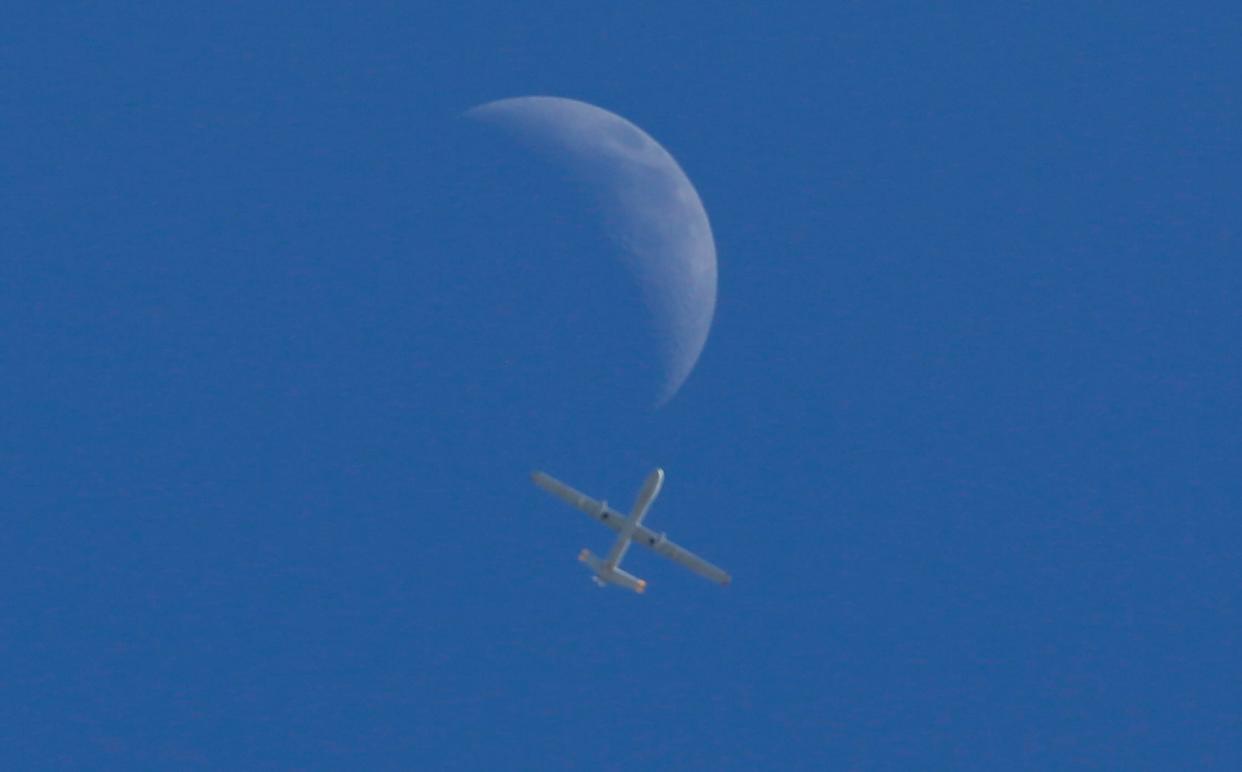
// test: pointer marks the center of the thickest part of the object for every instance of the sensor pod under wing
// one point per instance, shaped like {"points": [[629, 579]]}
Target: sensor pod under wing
{"points": [[629, 529]]}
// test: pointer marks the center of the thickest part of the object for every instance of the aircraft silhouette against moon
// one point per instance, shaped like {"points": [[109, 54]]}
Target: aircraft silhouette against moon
{"points": [[650, 210]]}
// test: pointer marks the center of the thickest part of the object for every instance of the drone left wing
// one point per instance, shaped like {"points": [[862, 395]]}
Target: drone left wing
{"points": [[574, 498]]}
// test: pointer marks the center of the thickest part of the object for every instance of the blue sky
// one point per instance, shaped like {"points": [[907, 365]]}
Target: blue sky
{"points": [[277, 342]]}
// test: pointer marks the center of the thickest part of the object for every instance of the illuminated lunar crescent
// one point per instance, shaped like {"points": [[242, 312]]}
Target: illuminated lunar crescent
{"points": [[650, 207]]}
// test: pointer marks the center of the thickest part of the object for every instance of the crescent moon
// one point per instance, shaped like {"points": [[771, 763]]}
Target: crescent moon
{"points": [[650, 208]]}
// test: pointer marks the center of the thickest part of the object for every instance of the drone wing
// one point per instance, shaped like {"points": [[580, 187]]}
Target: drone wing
{"points": [[574, 498], [662, 546]]}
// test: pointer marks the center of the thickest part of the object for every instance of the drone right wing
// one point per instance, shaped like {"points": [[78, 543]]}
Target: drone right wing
{"points": [[662, 546]]}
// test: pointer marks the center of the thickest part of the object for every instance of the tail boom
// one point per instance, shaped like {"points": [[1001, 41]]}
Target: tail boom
{"points": [[611, 574]]}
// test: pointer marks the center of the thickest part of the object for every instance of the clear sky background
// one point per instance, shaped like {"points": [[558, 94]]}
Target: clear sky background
{"points": [[276, 361]]}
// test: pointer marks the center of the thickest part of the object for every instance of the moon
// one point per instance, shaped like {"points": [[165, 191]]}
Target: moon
{"points": [[650, 209]]}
